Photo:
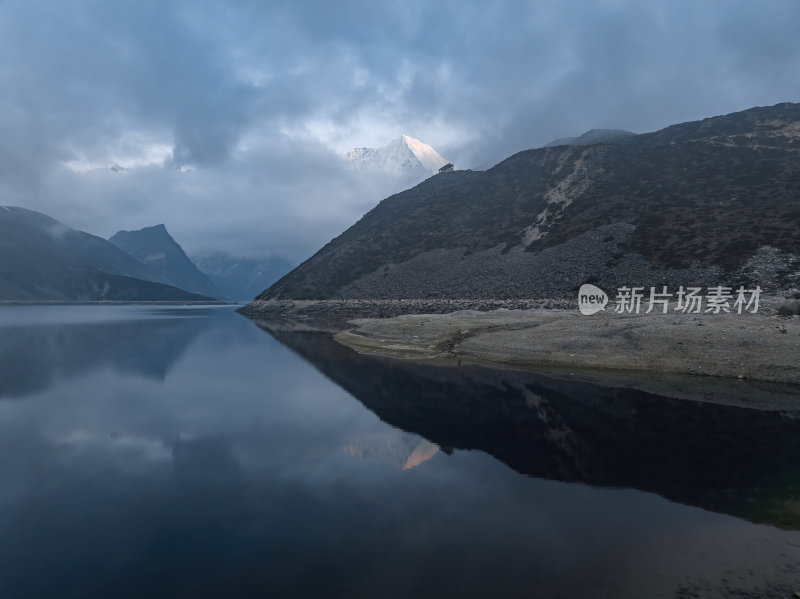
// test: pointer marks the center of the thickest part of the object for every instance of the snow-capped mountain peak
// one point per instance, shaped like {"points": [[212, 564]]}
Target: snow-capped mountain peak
{"points": [[405, 156], [429, 157]]}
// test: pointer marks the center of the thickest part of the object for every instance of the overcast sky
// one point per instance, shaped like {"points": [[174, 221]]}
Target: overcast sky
{"points": [[229, 117]]}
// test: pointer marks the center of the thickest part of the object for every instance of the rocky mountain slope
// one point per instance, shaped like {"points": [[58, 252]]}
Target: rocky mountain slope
{"points": [[43, 259], [241, 279], [155, 248], [712, 202]]}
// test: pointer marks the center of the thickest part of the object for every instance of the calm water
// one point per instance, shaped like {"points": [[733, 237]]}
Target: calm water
{"points": [[186, 452]]}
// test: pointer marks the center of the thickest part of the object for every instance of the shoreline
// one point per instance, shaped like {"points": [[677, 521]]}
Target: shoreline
{"points": [[111, 303], [760, 347], [333, 309]]}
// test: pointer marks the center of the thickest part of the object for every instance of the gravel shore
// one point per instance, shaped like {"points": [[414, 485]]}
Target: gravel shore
{"points": [[760, 346], [333, 309]]}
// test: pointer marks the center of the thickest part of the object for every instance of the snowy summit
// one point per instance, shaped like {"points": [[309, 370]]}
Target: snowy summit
{"points": [[404, 157]]}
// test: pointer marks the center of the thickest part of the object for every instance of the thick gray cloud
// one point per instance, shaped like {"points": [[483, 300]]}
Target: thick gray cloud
{"points": [[229, 116]]}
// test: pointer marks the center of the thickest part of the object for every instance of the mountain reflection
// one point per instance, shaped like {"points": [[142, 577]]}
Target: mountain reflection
{"points": [[34, 357], [724, 458], [403, 450]]}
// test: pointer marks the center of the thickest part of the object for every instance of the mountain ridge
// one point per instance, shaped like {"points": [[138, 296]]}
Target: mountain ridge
{"points": [[592, 136], [651, 209], [157, 249], [44, 259]]}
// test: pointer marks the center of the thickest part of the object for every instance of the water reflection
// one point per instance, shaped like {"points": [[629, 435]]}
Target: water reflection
{"points": [[244, 471], [36, 352], [403, 450], [720, 457]]}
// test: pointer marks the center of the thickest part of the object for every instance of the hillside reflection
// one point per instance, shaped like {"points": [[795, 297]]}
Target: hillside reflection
{"points": [[34, 357], [724, 458]]}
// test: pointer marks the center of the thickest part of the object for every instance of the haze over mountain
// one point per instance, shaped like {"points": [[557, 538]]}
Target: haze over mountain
{"points": [[43, 259], [406, 159], [155, 248], [241, 279], [711, 202]]}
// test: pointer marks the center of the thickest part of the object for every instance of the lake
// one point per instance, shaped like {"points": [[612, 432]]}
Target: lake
{"points": [[152, 451]]}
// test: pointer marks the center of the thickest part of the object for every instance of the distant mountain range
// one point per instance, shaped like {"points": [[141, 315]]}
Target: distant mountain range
{"points": [[241, 279], [155, 248], [404, 158], [711, 202], [218, 275], [43, 259]]}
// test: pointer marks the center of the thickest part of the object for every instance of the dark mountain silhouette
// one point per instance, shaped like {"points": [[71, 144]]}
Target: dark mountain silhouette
{"points": [[43, 259], [159, 252]]}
